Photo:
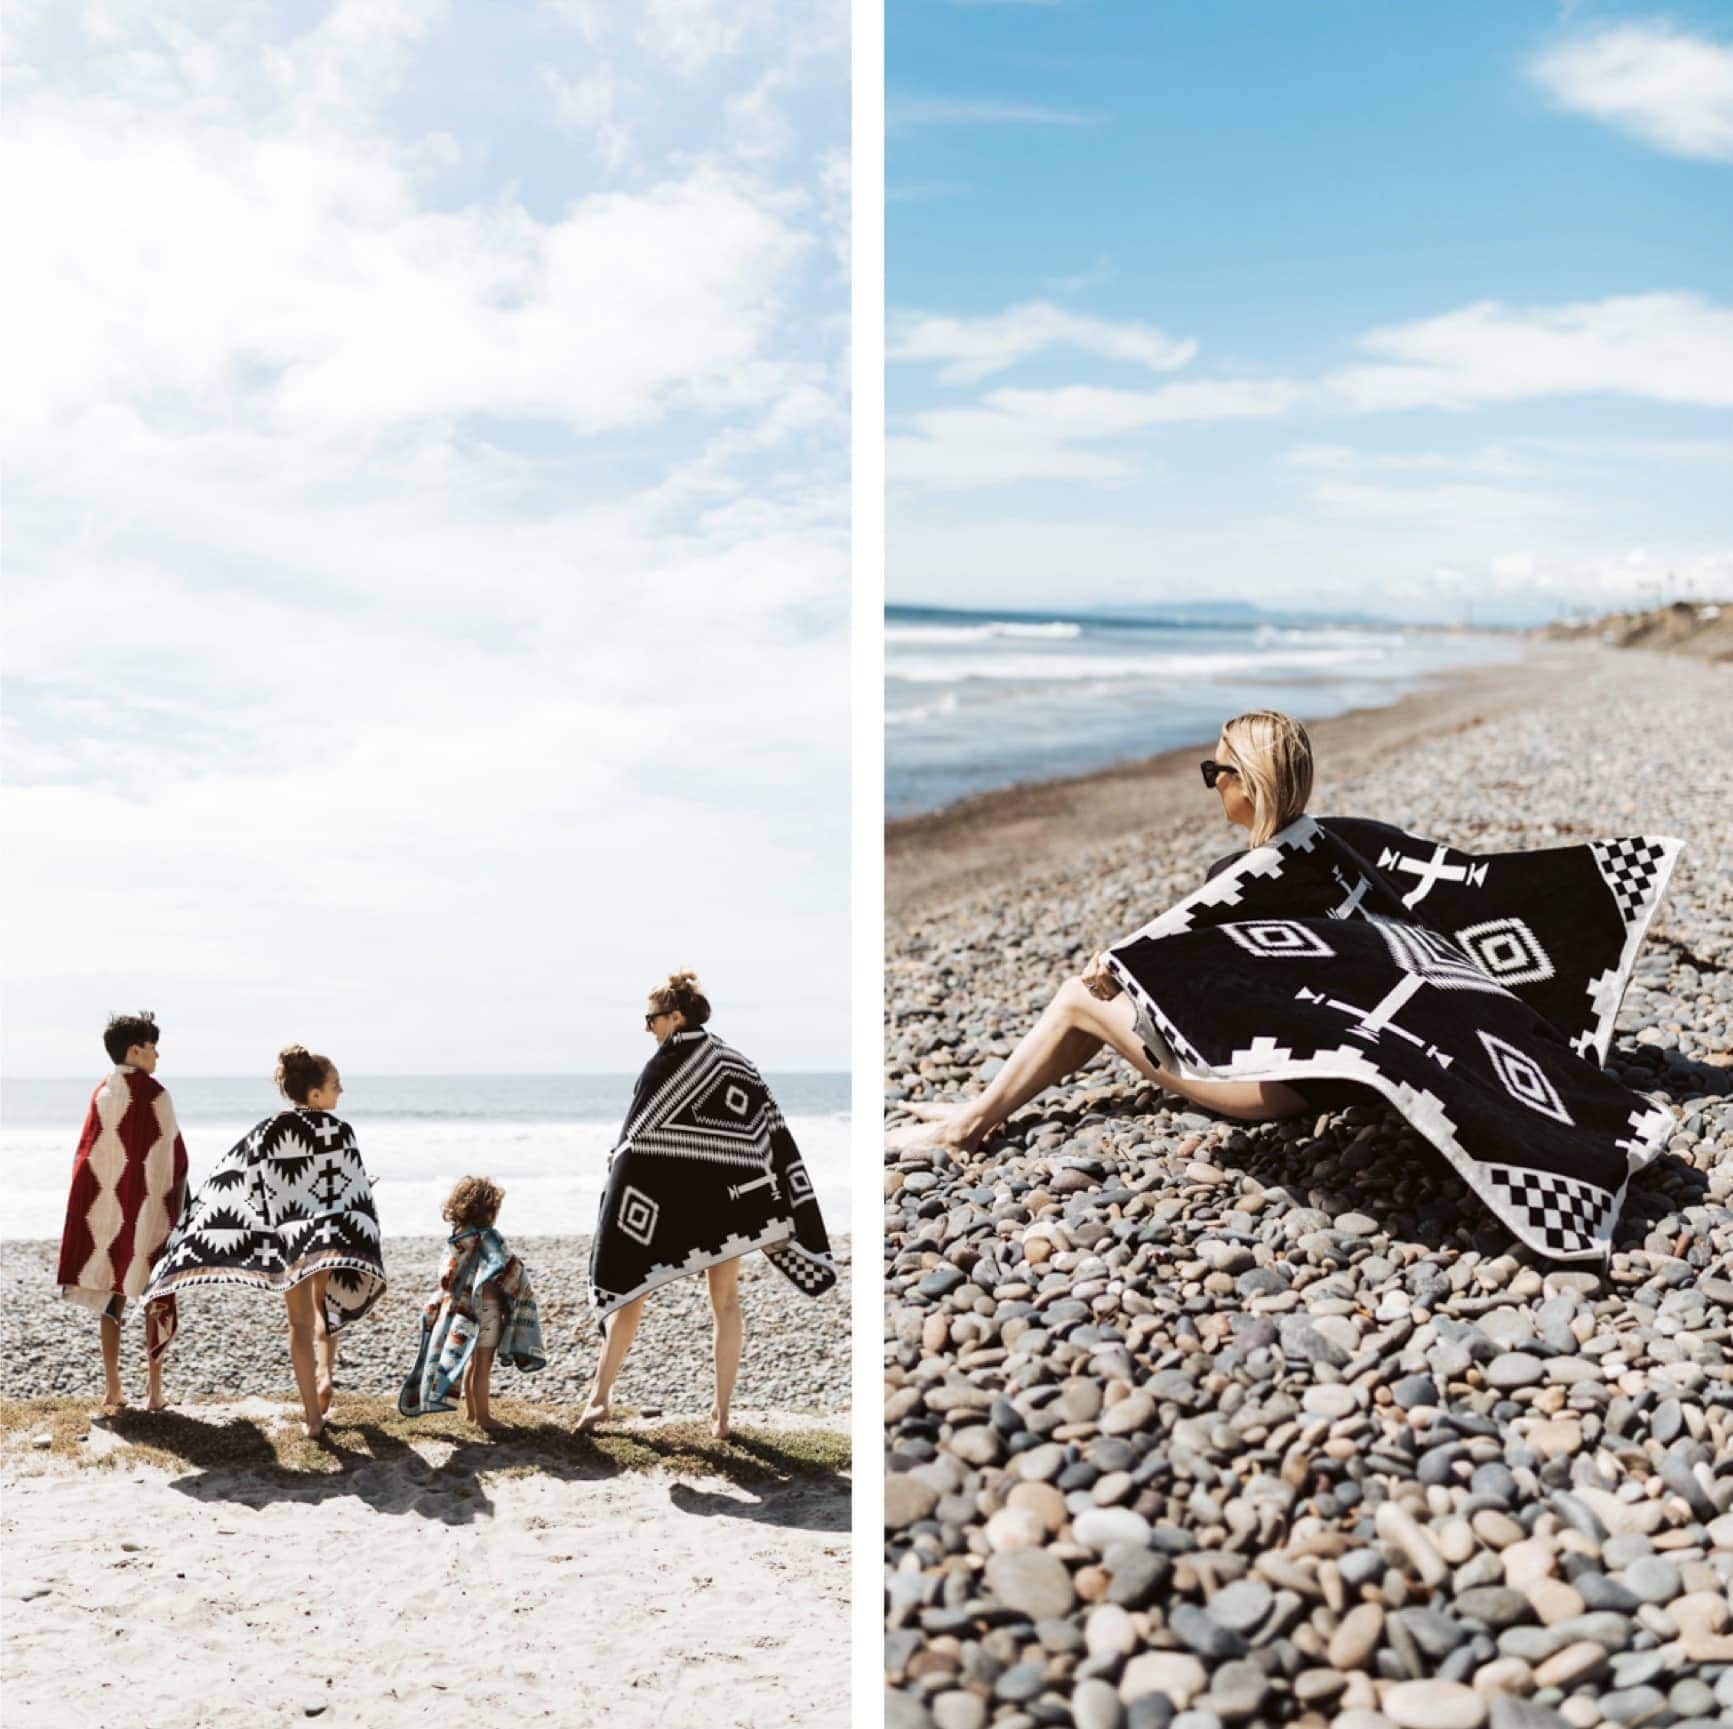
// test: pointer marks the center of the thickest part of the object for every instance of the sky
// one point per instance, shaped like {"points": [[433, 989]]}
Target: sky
{"points": [[1421, 310], [426, 545]]}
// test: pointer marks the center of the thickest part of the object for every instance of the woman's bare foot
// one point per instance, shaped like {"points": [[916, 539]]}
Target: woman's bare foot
{"points": [[939, 1126], [593, 1416], [718, 1424], [327, 1392], [159, 1403], [489, 1425], [113, 1407], [312, 1430]]}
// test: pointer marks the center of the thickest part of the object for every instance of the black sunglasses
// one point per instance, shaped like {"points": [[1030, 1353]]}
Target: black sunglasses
{"points": [[653, 1017], [1213, 770]]}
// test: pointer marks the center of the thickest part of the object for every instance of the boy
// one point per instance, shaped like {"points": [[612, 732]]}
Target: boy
{"points": [[129, 1179]]}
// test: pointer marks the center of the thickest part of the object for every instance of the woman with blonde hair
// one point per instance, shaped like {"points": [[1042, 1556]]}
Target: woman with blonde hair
{"points": [[1262, 774]]}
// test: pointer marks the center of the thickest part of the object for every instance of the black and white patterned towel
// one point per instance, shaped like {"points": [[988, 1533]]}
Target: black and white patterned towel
{"points": [[1476, 993], [705, 1171], [290, 1199]]}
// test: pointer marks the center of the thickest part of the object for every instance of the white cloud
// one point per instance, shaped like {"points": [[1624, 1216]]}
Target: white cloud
{"points": [[444, 589], [588, 106], [969, 349], [1017, 435], [1663, 86], [1663, 347]]}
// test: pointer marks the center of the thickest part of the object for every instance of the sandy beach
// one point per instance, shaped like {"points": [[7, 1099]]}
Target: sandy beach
{"points": [[1190, 1421], [209, 1567]]}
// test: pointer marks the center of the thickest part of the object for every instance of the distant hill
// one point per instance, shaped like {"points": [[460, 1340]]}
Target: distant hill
{"points": [[1701, 629]]}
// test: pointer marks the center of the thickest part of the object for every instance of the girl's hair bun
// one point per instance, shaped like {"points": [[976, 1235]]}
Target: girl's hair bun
{"points": [[299, 1071]]}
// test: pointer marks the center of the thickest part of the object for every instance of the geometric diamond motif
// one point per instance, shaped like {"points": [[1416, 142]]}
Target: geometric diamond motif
{"points": [[1631, 867], [1524, 1080], [1432, 957], [1506, 950], [736, 1100], [1279, 939], [638, 1215], [799, 1183]]}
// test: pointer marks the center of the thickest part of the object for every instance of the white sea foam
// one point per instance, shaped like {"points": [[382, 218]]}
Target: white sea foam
{"points": [[944, 635], [1167, 668]]}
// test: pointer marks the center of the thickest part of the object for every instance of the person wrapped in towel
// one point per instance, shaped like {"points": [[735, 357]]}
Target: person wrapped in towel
{"points": [[289, 1209], [129, 1179], [485, 1309], [705, 1172], [1476, 993]]}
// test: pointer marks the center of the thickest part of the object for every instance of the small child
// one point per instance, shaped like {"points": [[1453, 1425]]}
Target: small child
{"points": [[485, 1309], [129, 1181]]}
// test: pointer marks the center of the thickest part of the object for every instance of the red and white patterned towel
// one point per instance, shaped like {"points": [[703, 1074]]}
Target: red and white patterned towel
{"points": [[129, 1180]]}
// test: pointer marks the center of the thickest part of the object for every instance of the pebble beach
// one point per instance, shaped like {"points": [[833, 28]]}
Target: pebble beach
{"points": [[1203, 1424], [795, 1359]]}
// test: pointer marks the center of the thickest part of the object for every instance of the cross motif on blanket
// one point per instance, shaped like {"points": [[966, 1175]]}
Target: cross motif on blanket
{"points": [[1381, 1017], [1431, 871], [767, 1181], [1356, 894], [328, 1131], [331, 1174]]}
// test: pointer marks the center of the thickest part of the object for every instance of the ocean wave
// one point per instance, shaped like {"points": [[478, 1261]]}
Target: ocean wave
{"points": [[920, 712], [942, 635], [1076, 668]]}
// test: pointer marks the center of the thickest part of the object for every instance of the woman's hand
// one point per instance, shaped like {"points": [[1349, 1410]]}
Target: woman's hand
{"points": [[1099, 981]]}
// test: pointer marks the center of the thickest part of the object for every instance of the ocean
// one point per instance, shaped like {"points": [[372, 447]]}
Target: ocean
{"points": [[976, 701], [543, 1138]]}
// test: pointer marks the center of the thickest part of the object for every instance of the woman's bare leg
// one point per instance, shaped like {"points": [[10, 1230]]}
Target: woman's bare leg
{"points": [[725, 1306], [1072, 1028], [153, 1394], [303, 1308], [622, 1328]]}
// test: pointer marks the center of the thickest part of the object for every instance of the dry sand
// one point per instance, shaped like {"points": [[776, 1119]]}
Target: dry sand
{"points": [[420, 1577]]}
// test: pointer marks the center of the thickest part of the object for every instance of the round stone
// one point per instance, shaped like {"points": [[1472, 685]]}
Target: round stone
{"points": [[1514, 1369], [1653, 1579], [1095, 1705], [1110, 1631], [907, 1499], [1434, 1705], [1101, 1527], [1176, 1675], [1015, 1528], [1332, 1400], [1032, 1582], [1240, 1606]]}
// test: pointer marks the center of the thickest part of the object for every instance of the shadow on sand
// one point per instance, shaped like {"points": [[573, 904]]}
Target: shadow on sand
{"points": [[249, 1461]]}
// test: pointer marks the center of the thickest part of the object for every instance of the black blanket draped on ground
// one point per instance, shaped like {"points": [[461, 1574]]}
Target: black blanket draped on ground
{"points": [[290, 1199], [1476, 993], [705, 1171]]}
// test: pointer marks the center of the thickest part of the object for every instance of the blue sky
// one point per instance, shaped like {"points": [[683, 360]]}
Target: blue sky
{"points": [[426, 449], [1423, 309]]}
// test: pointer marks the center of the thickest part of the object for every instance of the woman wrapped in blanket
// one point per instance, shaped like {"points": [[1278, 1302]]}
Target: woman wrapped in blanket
{"points": [[289, 1208], [1262, 774], [705, 1172]]}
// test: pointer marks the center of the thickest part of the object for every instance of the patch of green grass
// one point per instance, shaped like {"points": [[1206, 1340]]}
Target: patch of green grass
{"points": [[361, 1432]]}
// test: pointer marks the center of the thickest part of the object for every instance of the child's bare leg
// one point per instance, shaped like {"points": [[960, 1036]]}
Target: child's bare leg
{"points": [[481, 1373], [113, 1396], [622, 1328], [302, 1333], [153, 1395], [325, 1362], [724, 1284]]}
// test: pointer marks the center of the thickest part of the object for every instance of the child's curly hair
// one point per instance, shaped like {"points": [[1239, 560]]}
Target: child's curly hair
{"points": [[475, 1201]]}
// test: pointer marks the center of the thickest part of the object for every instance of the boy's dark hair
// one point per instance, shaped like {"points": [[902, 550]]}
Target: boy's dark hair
{"points": [[125, 1031], [475, 1201]]}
